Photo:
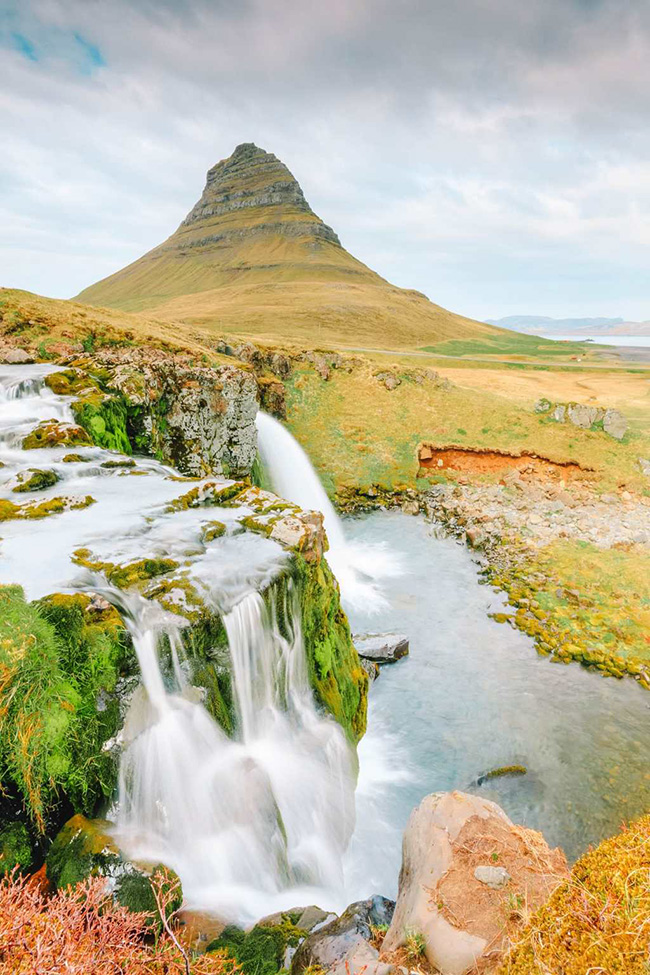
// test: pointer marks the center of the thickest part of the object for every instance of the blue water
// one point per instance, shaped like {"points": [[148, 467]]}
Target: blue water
{"points": [[474, 695]]}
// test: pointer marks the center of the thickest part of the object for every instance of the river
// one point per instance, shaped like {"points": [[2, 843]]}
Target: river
{"points": [[474, 695]]}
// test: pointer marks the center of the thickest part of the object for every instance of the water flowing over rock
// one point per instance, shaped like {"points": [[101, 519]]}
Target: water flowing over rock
{"points": [[464, 921], [236, 750], [357, 570]]}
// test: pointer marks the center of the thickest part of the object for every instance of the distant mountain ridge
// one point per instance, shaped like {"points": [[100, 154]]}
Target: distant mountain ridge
{"points": [[252, 258], [543, 325]]}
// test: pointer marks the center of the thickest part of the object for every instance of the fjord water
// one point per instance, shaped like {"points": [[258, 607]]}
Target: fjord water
{"points": [[474, 695]]}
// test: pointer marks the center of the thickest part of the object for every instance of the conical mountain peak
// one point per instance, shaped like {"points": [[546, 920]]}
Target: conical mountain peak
{"points": [[252, 258]]}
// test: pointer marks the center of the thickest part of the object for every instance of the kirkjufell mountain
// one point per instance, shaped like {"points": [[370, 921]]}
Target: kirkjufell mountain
{"points": [[252, 257]]}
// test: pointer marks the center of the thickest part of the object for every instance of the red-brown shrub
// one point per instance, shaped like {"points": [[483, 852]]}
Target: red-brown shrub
{"points": [[80, 931]]}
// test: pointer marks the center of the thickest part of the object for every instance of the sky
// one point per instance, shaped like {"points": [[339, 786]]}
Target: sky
{"points": [[493, 154]]}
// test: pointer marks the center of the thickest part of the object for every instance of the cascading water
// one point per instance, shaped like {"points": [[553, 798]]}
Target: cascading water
{"points": [[254, 823], [358, 569]]}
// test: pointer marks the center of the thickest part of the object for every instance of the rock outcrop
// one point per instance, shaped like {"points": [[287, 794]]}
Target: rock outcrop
{"points": [[611, 421], [344, 946], [464, 919]]}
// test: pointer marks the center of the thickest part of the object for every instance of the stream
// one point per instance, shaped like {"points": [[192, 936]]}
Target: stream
{"points": [[474, 695]]}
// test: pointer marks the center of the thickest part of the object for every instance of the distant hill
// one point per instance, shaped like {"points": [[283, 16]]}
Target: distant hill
{"points": [[252, 258], [541, 325]]}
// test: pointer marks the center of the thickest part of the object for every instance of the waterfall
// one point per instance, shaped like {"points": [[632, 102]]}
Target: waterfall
{"points": [[359, 570], [254, 823]]}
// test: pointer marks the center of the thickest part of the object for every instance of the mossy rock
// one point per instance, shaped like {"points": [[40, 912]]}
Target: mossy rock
{"points": [[9, 511], [51, 433], [85, 848], [70, 382], [213, 529], [260, 951], [339, 681], [105, 418], [75, 459], [127, 575], [16, 849], [35, 480]]}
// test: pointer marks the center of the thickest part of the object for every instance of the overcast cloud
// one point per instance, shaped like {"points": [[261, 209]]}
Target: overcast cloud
{"points": [[494, 154]]}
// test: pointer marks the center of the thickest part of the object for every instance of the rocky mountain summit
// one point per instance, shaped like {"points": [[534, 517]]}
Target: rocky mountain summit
{"points": [[253, 178]]}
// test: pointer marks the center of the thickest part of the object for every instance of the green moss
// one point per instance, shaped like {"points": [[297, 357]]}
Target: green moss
{"points": [[81, 849], [50, 433], [70, 382], [15, 848], [113, 464], [213, 529], [75, 459], [261, 950], [53, 506], [125, 576], [105, 419], [59, 667], [35, 480], [212, 493], [339, 681]]}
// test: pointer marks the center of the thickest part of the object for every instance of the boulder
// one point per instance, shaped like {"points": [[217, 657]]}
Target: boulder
{"points": [[542, 405], [343, 947], [644, 464], [615, 424], [16, 357], [464, 921], [383, 648], [581, 415]]}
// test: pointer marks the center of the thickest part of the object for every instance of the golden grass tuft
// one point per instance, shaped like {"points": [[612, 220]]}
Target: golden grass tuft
{"points": [[597, 922]]}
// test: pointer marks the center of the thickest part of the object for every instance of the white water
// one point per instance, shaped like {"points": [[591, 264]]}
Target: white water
{"points": [[254, 823], [359, 569]]}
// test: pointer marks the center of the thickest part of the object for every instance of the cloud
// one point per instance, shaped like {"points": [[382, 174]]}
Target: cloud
{"points": [[491, 153]]}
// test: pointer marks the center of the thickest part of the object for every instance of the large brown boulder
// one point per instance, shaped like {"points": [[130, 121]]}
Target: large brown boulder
{"points": [[469, 879]]}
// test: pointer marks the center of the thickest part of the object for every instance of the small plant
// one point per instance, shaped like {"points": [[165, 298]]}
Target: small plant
{"points": [[414, 945], [88, 342]]}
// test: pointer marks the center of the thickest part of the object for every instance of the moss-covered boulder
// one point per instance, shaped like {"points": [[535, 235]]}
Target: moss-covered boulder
{"points": [[262, 950], [88, 848], [53, 433], [34, 479], [60, 663]]}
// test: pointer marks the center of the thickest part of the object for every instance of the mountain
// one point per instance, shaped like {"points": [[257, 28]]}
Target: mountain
{"points": [[541, 325], [252, 258]]}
